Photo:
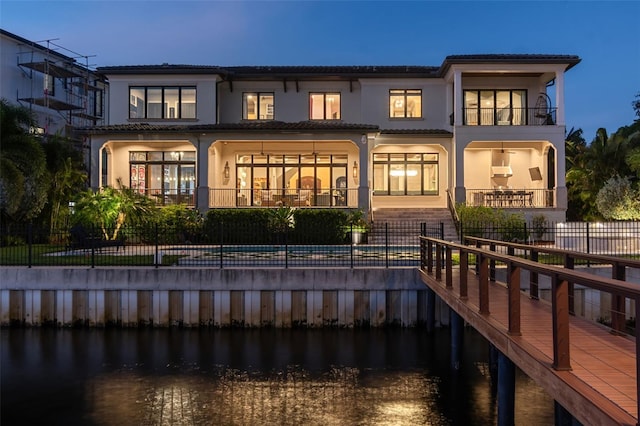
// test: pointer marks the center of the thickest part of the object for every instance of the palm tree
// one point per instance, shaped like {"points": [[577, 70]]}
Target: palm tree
{"points": [[592, 166], [68, 177]]}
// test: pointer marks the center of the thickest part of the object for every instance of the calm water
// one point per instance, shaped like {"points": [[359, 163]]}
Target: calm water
{"points": [[251, 377]]}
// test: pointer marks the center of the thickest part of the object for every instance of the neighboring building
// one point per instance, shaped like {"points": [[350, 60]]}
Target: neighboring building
{"points": [[55, 84], [481, 129]]}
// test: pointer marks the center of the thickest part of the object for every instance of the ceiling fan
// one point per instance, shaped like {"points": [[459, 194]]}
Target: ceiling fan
{"points": [[502, 151]]}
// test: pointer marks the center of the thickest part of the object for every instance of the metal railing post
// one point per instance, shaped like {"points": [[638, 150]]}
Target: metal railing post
{"points": [[286, 249], [157, 248], [351, 245], [386, 244], [221, 234], [30, 245]]}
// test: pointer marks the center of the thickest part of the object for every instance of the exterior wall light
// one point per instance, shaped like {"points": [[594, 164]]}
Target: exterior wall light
{"points": [[226, 173], [355, 170]]}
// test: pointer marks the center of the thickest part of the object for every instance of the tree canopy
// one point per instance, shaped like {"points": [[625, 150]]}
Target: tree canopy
{"points": [[24, 179], [603, 177]]}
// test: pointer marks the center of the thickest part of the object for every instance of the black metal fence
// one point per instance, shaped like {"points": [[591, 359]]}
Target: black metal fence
{"points": [[605, 238], [385, 245]]}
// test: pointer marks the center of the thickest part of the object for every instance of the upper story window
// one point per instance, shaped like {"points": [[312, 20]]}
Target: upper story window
{"points": [[405, 103], [97, 103], [495, 107], [257, 106], [324, 106], [162, 102]]}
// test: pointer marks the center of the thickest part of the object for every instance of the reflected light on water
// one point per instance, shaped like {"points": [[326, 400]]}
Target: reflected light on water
{"points": [[251, 377], [342, 396]]}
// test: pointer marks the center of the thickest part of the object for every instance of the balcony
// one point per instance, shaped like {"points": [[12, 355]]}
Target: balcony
{"points": [[323, 197], [511, 198], [509, 116]]}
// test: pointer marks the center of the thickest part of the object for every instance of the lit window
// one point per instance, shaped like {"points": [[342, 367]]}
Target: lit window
{"points": [[162, 102], [495, 107], [405, 174], [257, 106], [324, 106], [405, 103]]}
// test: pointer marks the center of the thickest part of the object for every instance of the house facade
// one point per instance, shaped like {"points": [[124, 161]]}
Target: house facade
{"points": [[477, 129], [56, 84]]}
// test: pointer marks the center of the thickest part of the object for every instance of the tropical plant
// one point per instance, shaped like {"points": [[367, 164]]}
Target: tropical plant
{"points": [[68, 177], [109, 208], [281, 219], [604, 158], [357, 222], [24, 182]]}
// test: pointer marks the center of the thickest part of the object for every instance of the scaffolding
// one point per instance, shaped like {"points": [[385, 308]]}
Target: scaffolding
{"points": [[69, 88]]}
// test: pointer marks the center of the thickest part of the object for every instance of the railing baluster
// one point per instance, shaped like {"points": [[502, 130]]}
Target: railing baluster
{"points": [[464, 270], [560, 312], [448, 268], [513, 284], [438, 262], [483, 284]]}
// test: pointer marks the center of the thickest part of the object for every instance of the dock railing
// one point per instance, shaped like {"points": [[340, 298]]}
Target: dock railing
{"points": [[437, 257]]}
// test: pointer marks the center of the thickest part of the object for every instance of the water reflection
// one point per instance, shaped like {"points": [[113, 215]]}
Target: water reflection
{"points": [[250, 377]]}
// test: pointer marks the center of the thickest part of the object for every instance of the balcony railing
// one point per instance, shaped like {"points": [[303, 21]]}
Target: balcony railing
{"points": [[167, 197], [329, 197], [509, 117], [511, 198]]}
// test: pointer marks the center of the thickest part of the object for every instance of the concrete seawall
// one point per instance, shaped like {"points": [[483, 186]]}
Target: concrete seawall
{"points": [[191, 297]]}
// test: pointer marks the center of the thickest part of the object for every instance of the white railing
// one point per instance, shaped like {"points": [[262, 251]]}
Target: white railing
{"points": [[321, 198], [511, 198]]}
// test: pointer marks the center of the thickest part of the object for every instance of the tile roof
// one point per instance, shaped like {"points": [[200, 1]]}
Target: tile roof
{"points": [[341, 71], [429, 132], [571, 60], [239, 72], [248, 126]]}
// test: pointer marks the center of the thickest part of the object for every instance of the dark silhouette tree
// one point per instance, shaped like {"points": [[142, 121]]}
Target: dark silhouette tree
{"points": [[24, 180]]}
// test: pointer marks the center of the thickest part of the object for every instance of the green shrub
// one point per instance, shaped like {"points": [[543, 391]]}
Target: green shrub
{"points": [[178, 224], [487, 222], [476, 220], [237, 226], [513, 227], [318, 226], [539, 226]]}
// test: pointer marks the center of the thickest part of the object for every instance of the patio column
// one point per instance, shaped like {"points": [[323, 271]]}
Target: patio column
{"points": [[363, 173], [202, 166], [94, 163], [559, 98], [460, 195], [457, 100]]}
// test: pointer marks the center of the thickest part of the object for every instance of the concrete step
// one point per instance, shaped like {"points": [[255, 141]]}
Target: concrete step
{"points": [[404, 225]]}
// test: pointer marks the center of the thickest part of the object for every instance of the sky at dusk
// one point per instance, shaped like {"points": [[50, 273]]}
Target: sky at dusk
{"points": [[604, 34]]}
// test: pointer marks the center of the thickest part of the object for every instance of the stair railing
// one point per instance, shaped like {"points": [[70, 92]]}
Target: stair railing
{"points": [[451, 205]]}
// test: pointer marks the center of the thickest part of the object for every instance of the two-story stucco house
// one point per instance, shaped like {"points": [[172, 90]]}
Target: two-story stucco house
{"points": [[56, 84], [482, 129]]}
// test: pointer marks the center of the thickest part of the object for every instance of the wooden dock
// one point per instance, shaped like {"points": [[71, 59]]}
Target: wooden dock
{"points": [[597, 382]]}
